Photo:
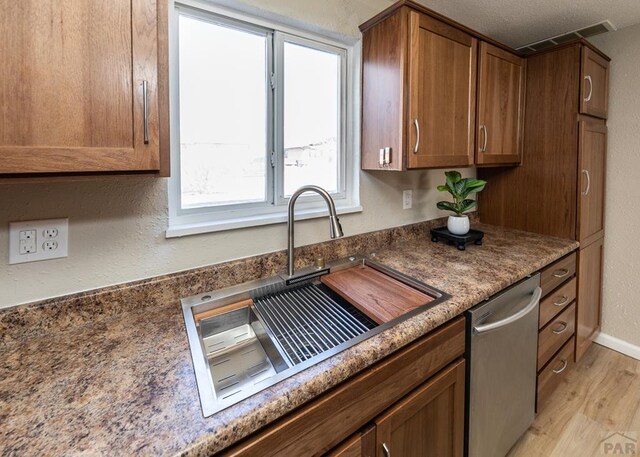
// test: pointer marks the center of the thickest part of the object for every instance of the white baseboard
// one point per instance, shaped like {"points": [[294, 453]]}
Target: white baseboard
{"points": [[618, 345]]}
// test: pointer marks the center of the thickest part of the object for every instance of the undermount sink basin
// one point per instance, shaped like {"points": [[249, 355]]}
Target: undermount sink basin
{"points": [[246, 338]]}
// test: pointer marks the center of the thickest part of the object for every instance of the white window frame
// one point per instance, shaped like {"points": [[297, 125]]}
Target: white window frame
{"points": [[217, 218]]}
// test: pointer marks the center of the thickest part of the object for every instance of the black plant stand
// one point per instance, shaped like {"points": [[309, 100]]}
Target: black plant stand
{"points": [[459, 240]]}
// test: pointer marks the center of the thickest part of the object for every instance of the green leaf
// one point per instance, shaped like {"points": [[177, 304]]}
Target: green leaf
{"points": [[466, 205], [447, 206], [452, 178], [459, 189], [475, 185]]}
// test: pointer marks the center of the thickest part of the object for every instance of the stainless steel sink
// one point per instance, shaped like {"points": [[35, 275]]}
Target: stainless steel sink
{"points": [[239, 352], [290, 324]]}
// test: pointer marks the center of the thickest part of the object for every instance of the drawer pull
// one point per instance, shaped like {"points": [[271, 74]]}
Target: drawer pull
{"points": [[564, 367], [561, 273], [385, 449], [563, 301], [563, 327]]}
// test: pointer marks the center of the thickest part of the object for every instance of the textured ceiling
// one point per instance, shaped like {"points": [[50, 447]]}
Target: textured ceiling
{"points": [[520, 22]]}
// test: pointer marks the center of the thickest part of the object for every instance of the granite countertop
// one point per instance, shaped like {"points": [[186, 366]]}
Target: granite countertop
{"points": [[125, 385]]}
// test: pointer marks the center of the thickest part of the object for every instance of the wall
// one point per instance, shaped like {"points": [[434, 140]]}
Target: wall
{"points": [[621, 309], [117, 225]]}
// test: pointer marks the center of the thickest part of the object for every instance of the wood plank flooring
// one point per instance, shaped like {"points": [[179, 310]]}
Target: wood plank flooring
{"points": [[599, 398]]}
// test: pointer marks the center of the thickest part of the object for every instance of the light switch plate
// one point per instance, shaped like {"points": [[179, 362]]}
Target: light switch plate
{"points": [[30, 241]]}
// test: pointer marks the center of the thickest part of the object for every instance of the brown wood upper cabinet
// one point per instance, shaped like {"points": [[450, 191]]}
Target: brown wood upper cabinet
{"points": [[594, 100], [80, 86], [419, 93], [442, 94], [500, 125]]}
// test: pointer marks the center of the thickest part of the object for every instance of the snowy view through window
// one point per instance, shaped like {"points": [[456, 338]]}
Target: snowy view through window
{"points": [[224, 119]]}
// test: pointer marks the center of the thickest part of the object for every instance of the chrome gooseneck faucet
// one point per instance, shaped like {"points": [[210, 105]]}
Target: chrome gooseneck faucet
{"points": [[335, 229]]}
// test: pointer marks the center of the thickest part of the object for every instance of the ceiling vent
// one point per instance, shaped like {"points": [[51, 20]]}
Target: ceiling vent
{"points": [[595, 29]]}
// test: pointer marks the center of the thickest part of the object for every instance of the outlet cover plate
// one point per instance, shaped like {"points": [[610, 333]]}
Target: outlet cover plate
{"points": [[407, 199], [40, 248]]}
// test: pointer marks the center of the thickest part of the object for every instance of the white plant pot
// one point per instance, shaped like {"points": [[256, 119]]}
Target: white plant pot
{"points": [[458, 225]]}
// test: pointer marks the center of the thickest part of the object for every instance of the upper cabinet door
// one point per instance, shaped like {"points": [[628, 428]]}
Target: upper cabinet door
{"points": [[594, 100], [593, 150], [79, 86], [500, 107], [442, 94], [383, 82]]}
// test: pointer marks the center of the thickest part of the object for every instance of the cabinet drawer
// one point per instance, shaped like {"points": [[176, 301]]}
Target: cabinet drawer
{"points": [[555, 334], [557, 273], [557, 301], [554, 373]]}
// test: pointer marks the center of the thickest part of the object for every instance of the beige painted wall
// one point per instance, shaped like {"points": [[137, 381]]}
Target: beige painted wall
{"points": [[621, 309], [117, 225]]}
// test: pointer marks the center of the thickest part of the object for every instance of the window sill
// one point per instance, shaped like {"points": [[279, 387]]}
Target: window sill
{"points": [[175, 231]]}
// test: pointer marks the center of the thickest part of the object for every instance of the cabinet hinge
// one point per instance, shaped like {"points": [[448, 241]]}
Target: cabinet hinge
{"points": [[272, 81], [273, 159]]}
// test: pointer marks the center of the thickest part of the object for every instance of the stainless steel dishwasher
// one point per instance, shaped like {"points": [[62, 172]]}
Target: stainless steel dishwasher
{"points": [[502, 342]]}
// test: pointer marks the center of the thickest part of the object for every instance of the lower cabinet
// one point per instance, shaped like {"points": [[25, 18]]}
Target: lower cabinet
{"points": [[590, 259], [410, 403], [554, 373], [557, 326], [429, 422], [362, 444]]}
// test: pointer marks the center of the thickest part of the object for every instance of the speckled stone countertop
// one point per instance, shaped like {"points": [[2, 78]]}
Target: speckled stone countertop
{"points": [[123, 383]]}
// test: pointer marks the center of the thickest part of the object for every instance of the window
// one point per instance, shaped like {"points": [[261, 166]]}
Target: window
{"points": [[257, 112]]}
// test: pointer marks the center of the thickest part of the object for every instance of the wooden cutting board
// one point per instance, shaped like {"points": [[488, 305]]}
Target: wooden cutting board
{"points": [[379, 296]]}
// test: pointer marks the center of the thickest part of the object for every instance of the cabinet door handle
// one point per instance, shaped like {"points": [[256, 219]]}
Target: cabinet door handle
{"points": [[588, 97], [563, 327], [586, 174], [486, 138], [417, 146], [561, 273], [563, 301], [564, 367], [145, 110], [385, 449]]}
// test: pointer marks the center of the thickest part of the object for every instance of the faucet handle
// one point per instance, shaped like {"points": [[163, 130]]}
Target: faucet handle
{"points": [[319, 263]]}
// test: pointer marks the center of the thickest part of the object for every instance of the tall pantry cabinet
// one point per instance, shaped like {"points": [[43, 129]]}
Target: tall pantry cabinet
{"points": [[559, 189]]}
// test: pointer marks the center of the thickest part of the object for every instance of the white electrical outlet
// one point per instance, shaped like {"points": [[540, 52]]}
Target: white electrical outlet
{"points": [[51, 232], [31, 241], [50, 245], [27, 241], [407, 199]]}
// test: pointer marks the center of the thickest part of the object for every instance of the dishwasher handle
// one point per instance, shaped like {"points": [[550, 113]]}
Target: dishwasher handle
{"points": [[535, 298]]}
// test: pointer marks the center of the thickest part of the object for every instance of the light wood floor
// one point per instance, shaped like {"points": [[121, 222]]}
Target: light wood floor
{"points": [[600, 397]]}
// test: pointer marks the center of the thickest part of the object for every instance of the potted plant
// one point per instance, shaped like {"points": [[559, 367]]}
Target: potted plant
{"points": [[459, 188]]}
